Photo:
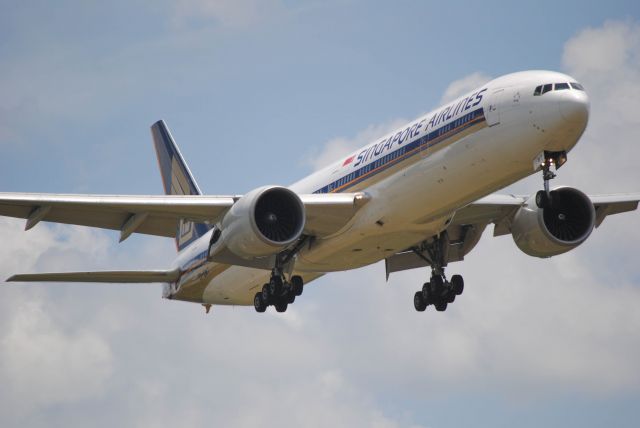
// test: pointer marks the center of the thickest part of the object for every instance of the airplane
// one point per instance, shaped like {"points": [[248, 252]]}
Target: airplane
{"points": [[418, 197]]}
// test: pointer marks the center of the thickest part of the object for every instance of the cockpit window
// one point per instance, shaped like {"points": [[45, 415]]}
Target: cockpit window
{"points": [[543, 89]]}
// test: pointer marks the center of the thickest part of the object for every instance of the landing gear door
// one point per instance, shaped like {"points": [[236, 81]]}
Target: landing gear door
{"points": [[492, 109]]}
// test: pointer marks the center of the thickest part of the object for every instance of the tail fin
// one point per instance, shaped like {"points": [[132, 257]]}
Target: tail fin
{"points": [[177, 180]]}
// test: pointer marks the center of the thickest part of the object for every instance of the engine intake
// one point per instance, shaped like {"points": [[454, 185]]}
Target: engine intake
{"points": [[278, 215], [564, 225], [263, 222]]}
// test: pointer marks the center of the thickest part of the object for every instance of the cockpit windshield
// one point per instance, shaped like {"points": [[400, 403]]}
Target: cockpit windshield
{"points": [[543, 89]]}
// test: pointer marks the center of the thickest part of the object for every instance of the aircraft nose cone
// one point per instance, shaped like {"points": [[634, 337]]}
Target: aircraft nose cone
{"points": [[574, 107]]}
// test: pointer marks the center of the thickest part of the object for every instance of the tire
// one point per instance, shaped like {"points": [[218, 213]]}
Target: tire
{"points": [[291, 297], [297, 284], [265, 294], [437, 284], [457, 284], [275, 285], [451, 296], [441, 306], [418, 302], [542, 201], [281, 306], [426, 293], [258, 303], [426, 290]]}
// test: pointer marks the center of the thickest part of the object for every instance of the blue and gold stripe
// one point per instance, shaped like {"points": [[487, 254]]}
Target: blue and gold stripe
{"points": [[445, 134]]}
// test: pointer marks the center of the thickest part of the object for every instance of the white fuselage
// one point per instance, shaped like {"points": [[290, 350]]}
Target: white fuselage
{"points": [[417, 177]]}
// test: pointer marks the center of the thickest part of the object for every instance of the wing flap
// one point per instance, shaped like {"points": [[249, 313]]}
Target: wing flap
{"points": [[131, 277]]}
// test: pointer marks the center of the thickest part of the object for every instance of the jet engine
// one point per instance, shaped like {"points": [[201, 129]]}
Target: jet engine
{"points": [[547, 232], [263, 222]]}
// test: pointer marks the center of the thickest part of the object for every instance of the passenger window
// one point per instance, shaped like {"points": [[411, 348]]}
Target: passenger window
{"points": [[576, 85], [546, 88], [560, 86], [537, 90]]}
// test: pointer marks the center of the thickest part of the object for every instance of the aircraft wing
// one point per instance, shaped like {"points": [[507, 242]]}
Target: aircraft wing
{"points": [[470, 222], [159, 214], [137, 276], [499, 209]]}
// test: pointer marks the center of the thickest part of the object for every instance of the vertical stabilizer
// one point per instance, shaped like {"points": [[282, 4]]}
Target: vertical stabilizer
{"points": [[177, 180]]}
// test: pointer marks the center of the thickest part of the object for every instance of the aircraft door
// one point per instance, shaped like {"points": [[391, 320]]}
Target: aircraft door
{"points": [[493, 106]]}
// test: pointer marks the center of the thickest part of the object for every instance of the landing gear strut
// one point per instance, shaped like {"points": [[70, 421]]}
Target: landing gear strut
{"points": [[548, 160], [438, 291], [278, 291]]}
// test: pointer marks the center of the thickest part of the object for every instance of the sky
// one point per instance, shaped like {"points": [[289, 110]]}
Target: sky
{"points": [[264, 92]]}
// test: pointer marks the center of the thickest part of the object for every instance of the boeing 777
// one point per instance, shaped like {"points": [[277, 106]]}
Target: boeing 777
{"points": [[420, 196]]}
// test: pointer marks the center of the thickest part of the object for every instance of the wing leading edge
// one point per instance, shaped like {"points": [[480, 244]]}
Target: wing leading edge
{"points": [[160, 214], [131, 277]]}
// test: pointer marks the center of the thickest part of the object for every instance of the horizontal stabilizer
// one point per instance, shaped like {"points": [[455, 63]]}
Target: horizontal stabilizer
{"points": [[122, 276]]}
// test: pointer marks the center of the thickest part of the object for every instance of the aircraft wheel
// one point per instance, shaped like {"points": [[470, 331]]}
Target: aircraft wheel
{"points": [[450, 297], [281, 306], [441, 306], [297, 284], [418, 302], [426, 291], [291, 297], [265, 294], [275, 285], [437, 283], [542, 199], [457, 284], [258, 303]]}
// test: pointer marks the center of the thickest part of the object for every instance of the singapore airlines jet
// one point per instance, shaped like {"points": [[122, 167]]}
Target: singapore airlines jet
{"points": [[420, 196]]}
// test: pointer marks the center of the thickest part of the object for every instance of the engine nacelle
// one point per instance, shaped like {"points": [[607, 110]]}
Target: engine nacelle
{"points": [[551, 231], [263, 222]]}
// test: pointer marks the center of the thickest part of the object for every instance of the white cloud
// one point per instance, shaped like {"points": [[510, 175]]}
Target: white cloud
{"points": [[340, 147], [460, 87], [43, 365], [46, 360], [607, 61], [523, 329], [227, 13], [611, 47]]}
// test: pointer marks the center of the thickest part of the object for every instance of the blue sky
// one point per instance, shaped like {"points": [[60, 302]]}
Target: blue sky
{"points": [[262, 91]]}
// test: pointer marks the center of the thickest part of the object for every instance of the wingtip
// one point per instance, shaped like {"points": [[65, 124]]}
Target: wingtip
{"points": [[159, 122]]}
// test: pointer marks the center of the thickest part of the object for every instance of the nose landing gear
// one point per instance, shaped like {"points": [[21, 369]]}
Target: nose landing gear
{"points": [[546, 160]]}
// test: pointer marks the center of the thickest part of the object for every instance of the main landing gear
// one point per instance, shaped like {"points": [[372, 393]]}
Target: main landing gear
{"points": [[278, 292], [548, 160], [438, 291]]}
